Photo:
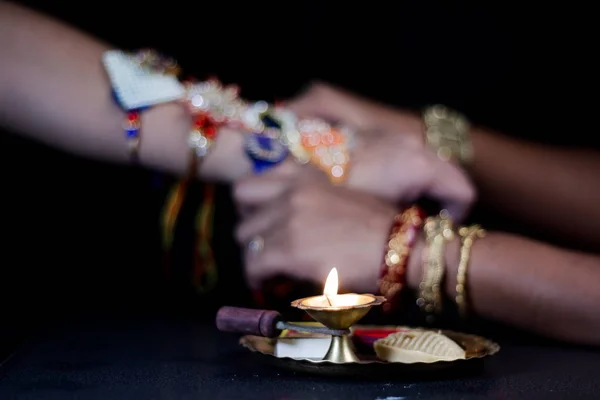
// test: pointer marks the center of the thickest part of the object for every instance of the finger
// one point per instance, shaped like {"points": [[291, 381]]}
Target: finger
{"points": [[453, 189], [261, 222], [258, 190], [270, 261]]}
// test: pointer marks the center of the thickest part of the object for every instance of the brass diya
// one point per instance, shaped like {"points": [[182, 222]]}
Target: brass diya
{"points": [[338, 312], [345, 310]]}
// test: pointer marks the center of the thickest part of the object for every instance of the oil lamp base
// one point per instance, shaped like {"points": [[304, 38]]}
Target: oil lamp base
{"points": [[341, 350]]}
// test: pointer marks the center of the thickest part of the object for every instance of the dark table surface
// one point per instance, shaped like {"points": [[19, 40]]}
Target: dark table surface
{"points": [[166, 359]]}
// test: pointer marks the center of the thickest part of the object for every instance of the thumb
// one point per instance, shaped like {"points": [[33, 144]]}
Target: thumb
{"points": [[259, 189]]}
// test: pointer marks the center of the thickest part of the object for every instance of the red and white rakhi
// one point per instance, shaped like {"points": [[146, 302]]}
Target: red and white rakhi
{"points": [[211, 105], [222, 103]]}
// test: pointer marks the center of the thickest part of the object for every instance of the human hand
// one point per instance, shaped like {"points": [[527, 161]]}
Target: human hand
{"points": [[308, 226], [390, 158]]}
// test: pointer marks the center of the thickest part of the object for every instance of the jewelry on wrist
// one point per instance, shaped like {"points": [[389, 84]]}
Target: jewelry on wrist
{"points": [[401, 240], [140, 80], [265, 151], [147, 78], [132, 125], [438, 231], [212, 105], [468, 235], [447, 132], [202, 135], [220, 102], [264, 145]]}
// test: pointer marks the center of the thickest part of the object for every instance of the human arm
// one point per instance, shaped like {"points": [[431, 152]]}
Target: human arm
{"points": [[550, 188], [525, 283], [53, 89], [311, 227], [554, 189]]}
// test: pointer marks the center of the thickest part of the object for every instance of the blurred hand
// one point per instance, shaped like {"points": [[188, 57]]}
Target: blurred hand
{"points": [[307, 226], [390, 159]]}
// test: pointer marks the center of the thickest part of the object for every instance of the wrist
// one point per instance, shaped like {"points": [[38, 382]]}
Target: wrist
{"points": [[367, 282], [164, 138], [165, 146], [415, 126], [227, 160]]}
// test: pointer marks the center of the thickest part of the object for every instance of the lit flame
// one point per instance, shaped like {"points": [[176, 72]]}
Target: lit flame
{"points": [[331, 284]]}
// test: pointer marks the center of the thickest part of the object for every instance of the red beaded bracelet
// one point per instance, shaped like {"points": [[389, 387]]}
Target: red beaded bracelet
{"points": [[402, 238]]}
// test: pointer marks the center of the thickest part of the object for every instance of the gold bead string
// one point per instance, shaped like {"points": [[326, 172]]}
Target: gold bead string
{"points": [[467, 234]]}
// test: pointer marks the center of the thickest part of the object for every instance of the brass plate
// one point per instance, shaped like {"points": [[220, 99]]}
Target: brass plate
{"points": [[369, 366]]}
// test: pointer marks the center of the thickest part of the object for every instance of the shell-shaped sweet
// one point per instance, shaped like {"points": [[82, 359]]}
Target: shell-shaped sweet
{"points": [[418, 346]]}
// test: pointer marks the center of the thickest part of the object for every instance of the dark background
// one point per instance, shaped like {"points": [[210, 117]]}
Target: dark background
{"points": [[81, 237]]}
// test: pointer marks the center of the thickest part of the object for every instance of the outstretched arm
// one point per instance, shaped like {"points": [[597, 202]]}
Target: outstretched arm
{"points": [[54, 89], [552, 188], [528, 284]]}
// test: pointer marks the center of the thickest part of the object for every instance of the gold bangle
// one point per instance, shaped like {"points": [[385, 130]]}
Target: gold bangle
{"points": [[468, 234], [438, 231], [447, 133]]}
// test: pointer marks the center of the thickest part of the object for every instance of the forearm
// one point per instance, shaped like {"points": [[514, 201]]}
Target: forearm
{"points": [[53, 89], [551, 188], [528, 284]]}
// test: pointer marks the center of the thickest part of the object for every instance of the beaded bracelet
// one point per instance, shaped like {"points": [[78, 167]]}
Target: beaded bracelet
{"points": [[132, 125], [467, 234], [221, 102], [438, 230], [202, 135], [447, 133], [401, 240], [211, 105]]}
